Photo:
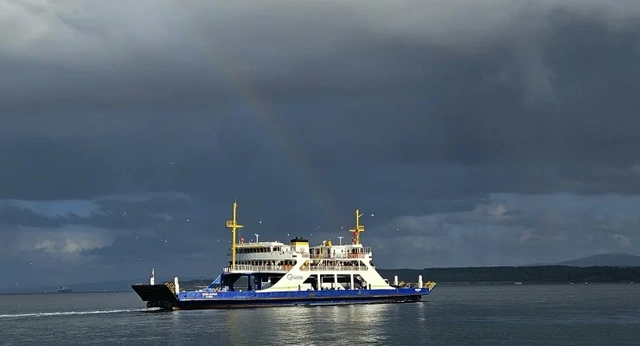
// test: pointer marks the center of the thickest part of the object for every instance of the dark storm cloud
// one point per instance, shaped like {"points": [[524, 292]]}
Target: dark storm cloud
{"points": [[15, 216], [330, 82], [306, 111], [158, 205], [77, 167], [109, 214]]}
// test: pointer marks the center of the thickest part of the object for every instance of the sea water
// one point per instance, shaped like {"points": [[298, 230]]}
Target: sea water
{"points": [[594, 314]]}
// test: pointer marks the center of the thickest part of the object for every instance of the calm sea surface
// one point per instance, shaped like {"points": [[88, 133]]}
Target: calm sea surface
{"points": [[594, 314]]}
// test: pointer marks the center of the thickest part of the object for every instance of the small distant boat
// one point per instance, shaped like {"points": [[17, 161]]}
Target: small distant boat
{"points": [[63, 289]]}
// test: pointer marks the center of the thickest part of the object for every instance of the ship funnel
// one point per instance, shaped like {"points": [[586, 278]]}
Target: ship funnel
{"points": [[420, 281], [395, 280], [176, 284], [152, 278]]}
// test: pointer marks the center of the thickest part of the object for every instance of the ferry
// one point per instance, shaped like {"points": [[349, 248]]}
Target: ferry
{"points": [[273, 273]]}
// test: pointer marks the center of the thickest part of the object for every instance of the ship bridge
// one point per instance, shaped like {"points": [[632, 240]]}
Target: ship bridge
{"points": [[272, 256]]}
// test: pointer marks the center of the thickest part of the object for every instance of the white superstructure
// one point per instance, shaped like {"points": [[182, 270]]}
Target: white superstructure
{"points": [[276, 266]]}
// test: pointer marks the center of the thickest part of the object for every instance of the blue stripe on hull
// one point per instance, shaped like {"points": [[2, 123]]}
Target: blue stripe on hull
{"points": [[253, 295], [162, 296], [259, 303]]}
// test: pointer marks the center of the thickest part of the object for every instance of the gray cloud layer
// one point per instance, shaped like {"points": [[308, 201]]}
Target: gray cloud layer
{"points": [[403, 109]]}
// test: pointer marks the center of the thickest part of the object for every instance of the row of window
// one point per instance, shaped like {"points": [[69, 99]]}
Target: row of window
{"points": [[313, 251]]}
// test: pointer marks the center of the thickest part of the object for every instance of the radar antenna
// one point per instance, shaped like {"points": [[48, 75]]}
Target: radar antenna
{"points": [[234, 226], [359, 229]]}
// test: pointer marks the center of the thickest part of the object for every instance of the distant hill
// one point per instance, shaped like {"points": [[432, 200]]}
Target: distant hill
{"points": [[108, 286], [608, 268], [530, 274], [605, 260]]}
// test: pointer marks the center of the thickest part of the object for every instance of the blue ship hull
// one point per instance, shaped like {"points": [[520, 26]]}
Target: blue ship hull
{"points": [[162, 296]]}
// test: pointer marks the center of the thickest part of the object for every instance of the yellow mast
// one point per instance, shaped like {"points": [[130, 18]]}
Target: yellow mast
{"points": [[233, 224], [359, 228]]}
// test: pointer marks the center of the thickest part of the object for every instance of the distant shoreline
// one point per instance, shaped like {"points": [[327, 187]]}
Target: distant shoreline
{"points": [[500, 283], [187, 286], [476, 276], [61, 294], [553, 274]]}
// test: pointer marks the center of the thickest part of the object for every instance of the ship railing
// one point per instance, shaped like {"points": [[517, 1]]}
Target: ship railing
{"points": [[255, 268], [339, 256], [335, 268]]}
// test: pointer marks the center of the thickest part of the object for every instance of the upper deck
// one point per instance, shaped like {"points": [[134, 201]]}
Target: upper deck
{"points": [[275, 256], [299, 248]]}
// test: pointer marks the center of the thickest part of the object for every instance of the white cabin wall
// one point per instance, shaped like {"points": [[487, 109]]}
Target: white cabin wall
{"points": [[372, 277], [294, 279], [291, 279]]}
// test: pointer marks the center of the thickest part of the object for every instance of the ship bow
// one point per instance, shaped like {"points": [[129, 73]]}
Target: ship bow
{"points": [[160, 296]]}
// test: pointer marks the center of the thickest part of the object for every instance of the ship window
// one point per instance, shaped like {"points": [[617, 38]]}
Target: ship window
{"points": [[327, 278]]}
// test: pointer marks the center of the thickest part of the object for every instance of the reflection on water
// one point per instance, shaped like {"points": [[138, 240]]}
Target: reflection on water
{"points": [[371, 317], [421, 312], [295, 325], [474, 315], [360, 324], [367, 318]]}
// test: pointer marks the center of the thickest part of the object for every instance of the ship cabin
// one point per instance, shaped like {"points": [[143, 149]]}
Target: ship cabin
{"points": [[260, 265], [268, 256]]}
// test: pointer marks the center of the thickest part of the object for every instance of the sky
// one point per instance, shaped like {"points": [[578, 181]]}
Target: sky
{"points": [[469, 133]]}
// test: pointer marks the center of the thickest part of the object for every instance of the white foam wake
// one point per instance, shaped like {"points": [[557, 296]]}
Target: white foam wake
{"points": [[66, 313]]}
